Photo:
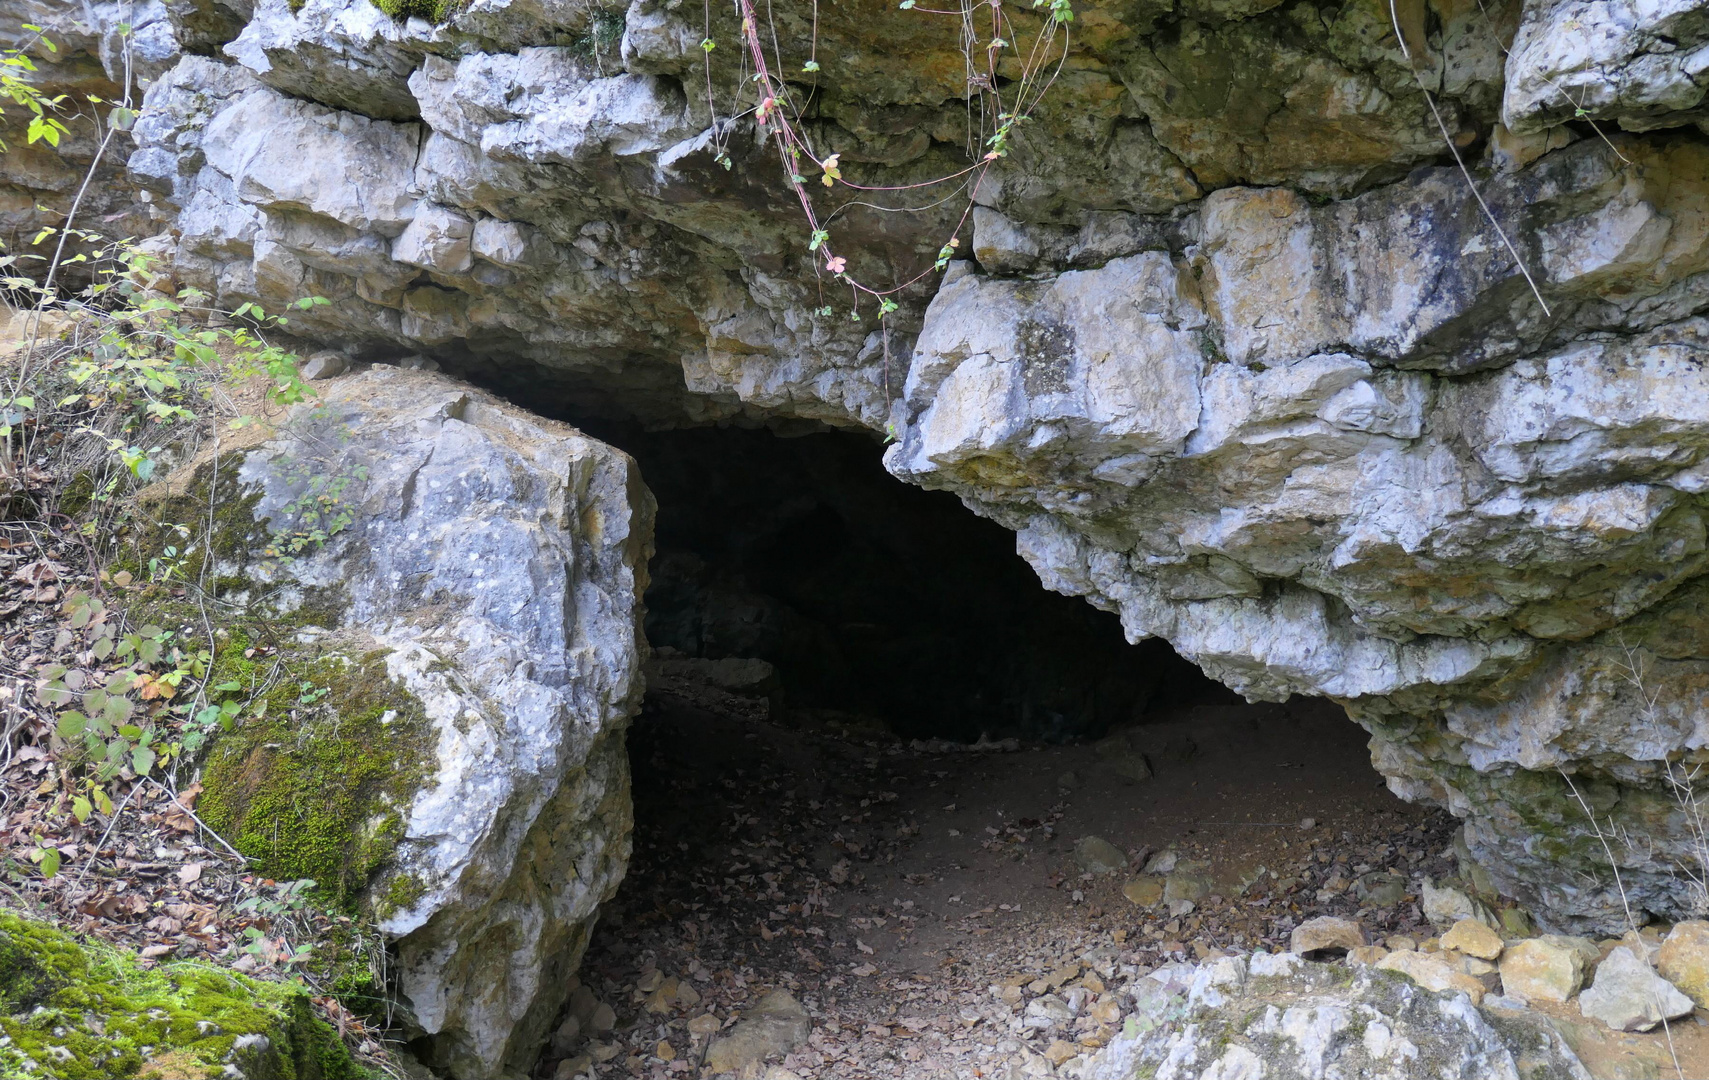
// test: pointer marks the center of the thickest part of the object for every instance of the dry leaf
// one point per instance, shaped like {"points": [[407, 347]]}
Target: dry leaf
{"points": [[190, 873]]}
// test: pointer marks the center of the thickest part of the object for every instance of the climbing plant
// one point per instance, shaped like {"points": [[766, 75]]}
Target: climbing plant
{"points": [[1008, 70]]}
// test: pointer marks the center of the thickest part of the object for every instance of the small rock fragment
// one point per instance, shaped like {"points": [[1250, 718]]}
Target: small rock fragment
{"points": [[1326, 935], [326, 364], [1095, 855], [1473, 938], [1145, 890], [1628, 996], [776, 1026], [570, 1068], [703, 1025], [1058, 1052], [1444, 906]]}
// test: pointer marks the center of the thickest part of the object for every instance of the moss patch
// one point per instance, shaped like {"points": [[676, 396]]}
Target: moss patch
{"points": [[317, 786], [71, 1011]]}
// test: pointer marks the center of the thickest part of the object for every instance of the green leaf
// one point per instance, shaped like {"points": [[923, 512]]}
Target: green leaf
{"points": [[227, 688], [50, 862], [142, 760], [71, 724], [811, 65], [80, 809]]}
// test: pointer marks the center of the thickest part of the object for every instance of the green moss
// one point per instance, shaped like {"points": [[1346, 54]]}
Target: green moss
{"points": [[435, 11], [71, 1011], [316, 790], [403, 891]]}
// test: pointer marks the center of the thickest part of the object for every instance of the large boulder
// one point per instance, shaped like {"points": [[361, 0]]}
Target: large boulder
{"points": [[456, 584]]}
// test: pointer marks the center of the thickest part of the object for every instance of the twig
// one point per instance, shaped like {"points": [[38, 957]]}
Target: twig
{"points": [[112, 823], [236, 854]]}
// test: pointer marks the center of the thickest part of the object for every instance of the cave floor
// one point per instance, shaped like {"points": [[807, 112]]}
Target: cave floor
{"points": [[913, 897], [890, 886]]}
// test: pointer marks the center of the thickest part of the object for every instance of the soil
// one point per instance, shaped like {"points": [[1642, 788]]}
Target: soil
{"points": [[908, 893]]}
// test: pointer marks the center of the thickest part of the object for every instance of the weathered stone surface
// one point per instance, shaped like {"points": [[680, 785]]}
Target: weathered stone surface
{"points": [[776, 1025], [1327, 934], [1446, 907], [1146, 890], [1640, 65], [1095, 855], [1628, 995], [1276, 1016], [1433, 973], [1684, 960], [1473, 938], [1548, 968], [1326, 445], [498, 561]]}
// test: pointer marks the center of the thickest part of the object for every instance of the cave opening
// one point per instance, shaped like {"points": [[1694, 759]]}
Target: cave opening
{"points": [[873, 600], [882, 770]]}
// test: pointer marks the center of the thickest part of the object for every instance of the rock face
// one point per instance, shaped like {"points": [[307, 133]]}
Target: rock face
{"points": [[1235, 356], [491, 564], [1278, 1016]]}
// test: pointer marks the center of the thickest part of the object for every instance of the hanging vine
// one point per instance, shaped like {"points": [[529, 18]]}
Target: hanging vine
{"points": [[989, 42]]}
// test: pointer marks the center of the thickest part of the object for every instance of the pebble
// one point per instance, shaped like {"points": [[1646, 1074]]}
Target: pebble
{"points": [[1628, 996], [1059, 1051], [1473, 938], [1684, 960]]}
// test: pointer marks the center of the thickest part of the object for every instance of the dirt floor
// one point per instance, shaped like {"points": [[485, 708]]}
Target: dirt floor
{"points": [[911, 895]]}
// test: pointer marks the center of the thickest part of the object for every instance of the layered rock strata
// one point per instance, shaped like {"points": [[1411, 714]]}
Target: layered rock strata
{"points": [[1238, 353]]}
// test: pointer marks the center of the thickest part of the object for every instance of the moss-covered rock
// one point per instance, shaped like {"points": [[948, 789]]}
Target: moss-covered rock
{"points": [[316, 786], [72, 1010]]}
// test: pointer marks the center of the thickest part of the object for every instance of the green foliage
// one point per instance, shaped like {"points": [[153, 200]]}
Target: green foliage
{"points": [[16, 87], [82, 1011]]}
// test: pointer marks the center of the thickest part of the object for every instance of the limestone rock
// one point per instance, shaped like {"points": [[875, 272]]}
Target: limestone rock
{"points": [[1446, 907], [777, 1025], [1380, 888], [326, 364], [496, 562], [1433, 973], [1638, 65], [1145, 890], [1473, 938], [1629, 996], [1276, 1016], [1270, 387], [1548, 968], [1684, 960], [1326, 935], [1095, 855]]}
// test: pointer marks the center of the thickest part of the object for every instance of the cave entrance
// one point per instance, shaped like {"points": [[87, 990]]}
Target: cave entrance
{"points": [[883, 770]]}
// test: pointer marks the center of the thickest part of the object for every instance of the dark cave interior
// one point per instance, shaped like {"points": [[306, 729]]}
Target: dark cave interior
{"points": [[873, 597]]}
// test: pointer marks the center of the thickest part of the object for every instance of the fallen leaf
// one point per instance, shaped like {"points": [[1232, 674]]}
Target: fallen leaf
{"points": [[190, 873]]}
